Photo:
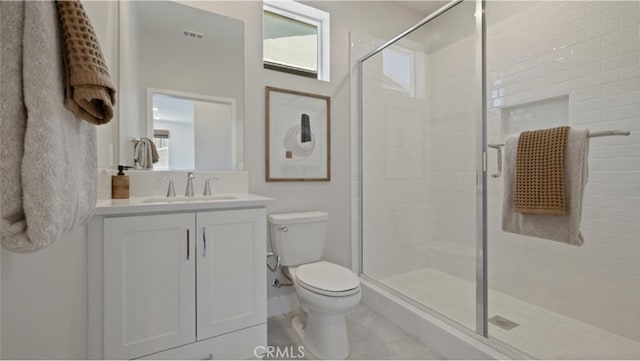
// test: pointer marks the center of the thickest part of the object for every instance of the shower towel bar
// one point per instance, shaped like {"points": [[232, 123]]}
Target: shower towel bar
{"points": [[603, 133]]}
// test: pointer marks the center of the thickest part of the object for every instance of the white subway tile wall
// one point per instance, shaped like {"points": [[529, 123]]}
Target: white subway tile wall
{"points": [[595, 62]]}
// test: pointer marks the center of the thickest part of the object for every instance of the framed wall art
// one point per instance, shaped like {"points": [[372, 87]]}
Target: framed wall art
{"points": [[298, 140]]}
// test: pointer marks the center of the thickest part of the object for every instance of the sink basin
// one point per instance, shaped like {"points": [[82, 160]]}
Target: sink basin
{"points": [[189, 199]]}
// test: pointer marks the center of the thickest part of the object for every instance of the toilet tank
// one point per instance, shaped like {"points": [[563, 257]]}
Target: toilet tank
{"points": [[298, 238]]}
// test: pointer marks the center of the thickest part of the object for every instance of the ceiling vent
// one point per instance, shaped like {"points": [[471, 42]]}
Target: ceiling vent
{"points": [[192, 34]]}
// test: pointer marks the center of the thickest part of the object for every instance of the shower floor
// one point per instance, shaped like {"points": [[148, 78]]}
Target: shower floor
{"points": [[541, 333]]}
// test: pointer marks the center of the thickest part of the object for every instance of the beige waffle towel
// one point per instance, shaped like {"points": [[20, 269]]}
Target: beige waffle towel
{"points": [[540, 167], [558, 228], [89, 91]]}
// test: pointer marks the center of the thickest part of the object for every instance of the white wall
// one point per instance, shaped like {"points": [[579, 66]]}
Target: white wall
{"points": [[131, 96], [213, 124], [44, 295], [188, 67], [182, 135], [44, 301]]}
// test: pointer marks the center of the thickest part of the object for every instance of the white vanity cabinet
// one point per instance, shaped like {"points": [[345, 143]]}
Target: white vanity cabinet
{"points": [[180, 285], [149, 284], [231, 271]]}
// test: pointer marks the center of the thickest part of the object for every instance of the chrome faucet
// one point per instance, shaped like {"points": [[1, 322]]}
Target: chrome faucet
{"points": [[207, 186], [171, 191], [190, 177]]}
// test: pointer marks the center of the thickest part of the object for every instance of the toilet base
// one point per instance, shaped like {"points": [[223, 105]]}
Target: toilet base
{"points": [[324, 336]]}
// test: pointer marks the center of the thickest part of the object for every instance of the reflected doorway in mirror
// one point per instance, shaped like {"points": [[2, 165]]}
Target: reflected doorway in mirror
{"points": [[195, 131]]}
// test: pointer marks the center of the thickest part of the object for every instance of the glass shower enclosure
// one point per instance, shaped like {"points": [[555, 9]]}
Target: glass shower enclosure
{"points": [[436, 102]]}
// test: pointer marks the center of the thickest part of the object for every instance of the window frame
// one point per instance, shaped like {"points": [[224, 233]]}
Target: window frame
{"points": [[308, 15]]}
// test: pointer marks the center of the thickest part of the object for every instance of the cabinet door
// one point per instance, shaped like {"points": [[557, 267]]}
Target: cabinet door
{"points": [[231, 271], [149, 284]]}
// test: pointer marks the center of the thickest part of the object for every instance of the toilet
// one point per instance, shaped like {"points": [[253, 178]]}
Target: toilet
{"points": [[326, 290]]}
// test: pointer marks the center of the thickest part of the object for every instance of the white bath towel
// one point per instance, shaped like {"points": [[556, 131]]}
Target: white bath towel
{"points": [[557, 228], [49, 163]]}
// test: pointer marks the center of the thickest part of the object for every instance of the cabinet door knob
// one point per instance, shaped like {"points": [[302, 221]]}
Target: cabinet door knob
{"points": [[188, 246]]}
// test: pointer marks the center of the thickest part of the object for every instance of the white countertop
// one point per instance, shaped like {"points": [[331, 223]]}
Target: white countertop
{"points": [[134, 205]]}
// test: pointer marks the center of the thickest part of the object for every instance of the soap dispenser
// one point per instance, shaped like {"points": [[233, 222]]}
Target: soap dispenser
{"points": [[120, 184]]}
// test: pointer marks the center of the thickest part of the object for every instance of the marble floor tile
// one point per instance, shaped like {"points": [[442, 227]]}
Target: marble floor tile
{"points": [[371, 337]]}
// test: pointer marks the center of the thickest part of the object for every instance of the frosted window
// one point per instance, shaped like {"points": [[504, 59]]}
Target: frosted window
{"points": [[397, 68]]}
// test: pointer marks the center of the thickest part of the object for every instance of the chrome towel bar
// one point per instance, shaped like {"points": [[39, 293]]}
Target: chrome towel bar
{"points": [[603, 133]]}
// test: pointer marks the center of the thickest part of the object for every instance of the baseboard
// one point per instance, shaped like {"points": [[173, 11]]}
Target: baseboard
{"points": [[282, 304]]}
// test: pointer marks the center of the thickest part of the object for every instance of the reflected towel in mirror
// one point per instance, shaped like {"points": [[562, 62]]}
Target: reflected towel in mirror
{"points": [[145, 153]]}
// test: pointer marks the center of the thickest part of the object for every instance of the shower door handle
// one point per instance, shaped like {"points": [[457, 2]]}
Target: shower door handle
{"points": [[497, 147]]}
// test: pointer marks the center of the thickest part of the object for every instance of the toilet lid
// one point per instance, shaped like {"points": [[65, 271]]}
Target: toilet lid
{"points": [[327, 276]]}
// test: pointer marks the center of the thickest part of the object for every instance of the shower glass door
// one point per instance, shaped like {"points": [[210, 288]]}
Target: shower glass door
{"points": [[420, 144], [568, 63], [431, 217]]}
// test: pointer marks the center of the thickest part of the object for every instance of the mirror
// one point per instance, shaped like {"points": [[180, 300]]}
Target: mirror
{"points": [[181, 85]]}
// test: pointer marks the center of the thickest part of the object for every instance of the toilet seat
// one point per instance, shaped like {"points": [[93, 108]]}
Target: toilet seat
{"points": [[327, 279]]}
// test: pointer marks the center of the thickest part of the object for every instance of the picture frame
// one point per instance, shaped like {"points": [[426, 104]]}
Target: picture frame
{"points": [[298, 136]]}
